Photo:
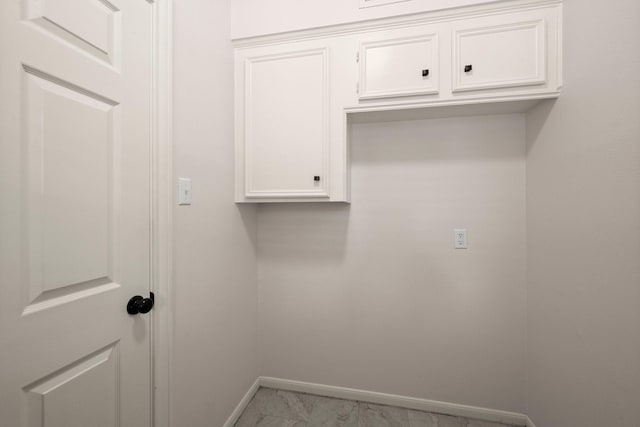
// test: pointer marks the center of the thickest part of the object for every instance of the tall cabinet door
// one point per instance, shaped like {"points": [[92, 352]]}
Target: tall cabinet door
{"points": [[286, 127]]}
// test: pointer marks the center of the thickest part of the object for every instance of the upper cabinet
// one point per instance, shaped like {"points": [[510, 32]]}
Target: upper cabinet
{"points": [[405, 66], [289, 121], [294, 92], [286, 124], [498, 52]]}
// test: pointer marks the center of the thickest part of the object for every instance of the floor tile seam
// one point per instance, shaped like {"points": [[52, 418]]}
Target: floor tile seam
{"points": [[305, 421], [266, 414], [464, 420], [356, 410], [320, 398], [283, 418], [315, 403]]}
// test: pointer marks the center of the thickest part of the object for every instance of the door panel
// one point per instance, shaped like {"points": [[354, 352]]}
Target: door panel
{"points": [[70, 149], [88, 389], [75, 154], [96, 33]]}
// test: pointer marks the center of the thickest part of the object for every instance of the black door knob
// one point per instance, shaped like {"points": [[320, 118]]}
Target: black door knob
{"points": [[468, 68], [138, 304]]}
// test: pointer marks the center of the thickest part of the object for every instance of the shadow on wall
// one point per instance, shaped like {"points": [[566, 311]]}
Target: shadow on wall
{"points": [[247, 213], [321, 227], [453, 139], [536, 119]]}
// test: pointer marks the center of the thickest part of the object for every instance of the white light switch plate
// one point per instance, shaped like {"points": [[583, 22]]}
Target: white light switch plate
{"points": [[184, 191], [460, 238]]}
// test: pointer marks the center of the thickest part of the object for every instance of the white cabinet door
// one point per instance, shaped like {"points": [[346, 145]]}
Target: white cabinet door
{"points": [[399, 67], [499, 52], [75, 150], [286, 126]]}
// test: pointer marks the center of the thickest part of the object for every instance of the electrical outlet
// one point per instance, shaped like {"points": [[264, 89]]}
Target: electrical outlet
{"points": [[460, 238]]}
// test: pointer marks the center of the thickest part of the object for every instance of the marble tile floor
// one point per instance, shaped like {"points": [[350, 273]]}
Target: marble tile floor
{"points": [[278, 408]]}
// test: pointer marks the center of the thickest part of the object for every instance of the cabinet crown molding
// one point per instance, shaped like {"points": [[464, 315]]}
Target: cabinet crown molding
{"points": [[414, 19]]}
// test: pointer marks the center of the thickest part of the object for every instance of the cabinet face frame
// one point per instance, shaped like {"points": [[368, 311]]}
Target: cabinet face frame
{"points": [[537, 78], [323, 185], [433, 66]]}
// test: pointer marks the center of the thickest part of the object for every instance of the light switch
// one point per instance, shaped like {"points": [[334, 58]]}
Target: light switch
{"points": [[460, 238], [184, 191]]}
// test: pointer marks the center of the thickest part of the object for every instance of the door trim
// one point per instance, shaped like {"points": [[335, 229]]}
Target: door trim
{"points": [[162, 210]]}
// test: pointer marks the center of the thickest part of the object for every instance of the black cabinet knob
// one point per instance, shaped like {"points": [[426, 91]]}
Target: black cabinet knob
{"points": [[468, 68], [138, 304], [425, 73], [316, 178]]}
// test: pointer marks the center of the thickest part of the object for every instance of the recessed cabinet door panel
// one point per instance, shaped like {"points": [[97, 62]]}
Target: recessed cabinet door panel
{"points": [[287, 125], [399, 67], [496, 56]]}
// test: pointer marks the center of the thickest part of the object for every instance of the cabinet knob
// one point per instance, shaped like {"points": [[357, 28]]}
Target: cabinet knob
{"points": [[316, 178], [425, 73], [468, 68]]}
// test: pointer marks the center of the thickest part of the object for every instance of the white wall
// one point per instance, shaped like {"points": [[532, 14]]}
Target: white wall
{"points": [[373, 296], [583, 187], [215, 357], [258, 17]]}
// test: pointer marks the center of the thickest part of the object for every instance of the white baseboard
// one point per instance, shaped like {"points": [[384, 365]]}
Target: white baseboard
{"points": [[242, 405], [394, 400], [530, 423]]}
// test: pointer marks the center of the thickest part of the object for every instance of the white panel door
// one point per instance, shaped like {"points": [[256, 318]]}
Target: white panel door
{"points": [[490, 53], [405, 66], [287, 125], [75, 212]]}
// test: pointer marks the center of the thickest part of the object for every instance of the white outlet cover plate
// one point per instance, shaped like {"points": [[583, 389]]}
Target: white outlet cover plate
{"points": [[460, 238]]}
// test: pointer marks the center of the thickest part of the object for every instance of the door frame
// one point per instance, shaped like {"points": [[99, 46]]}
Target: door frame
{"points": [[162, 198]]}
